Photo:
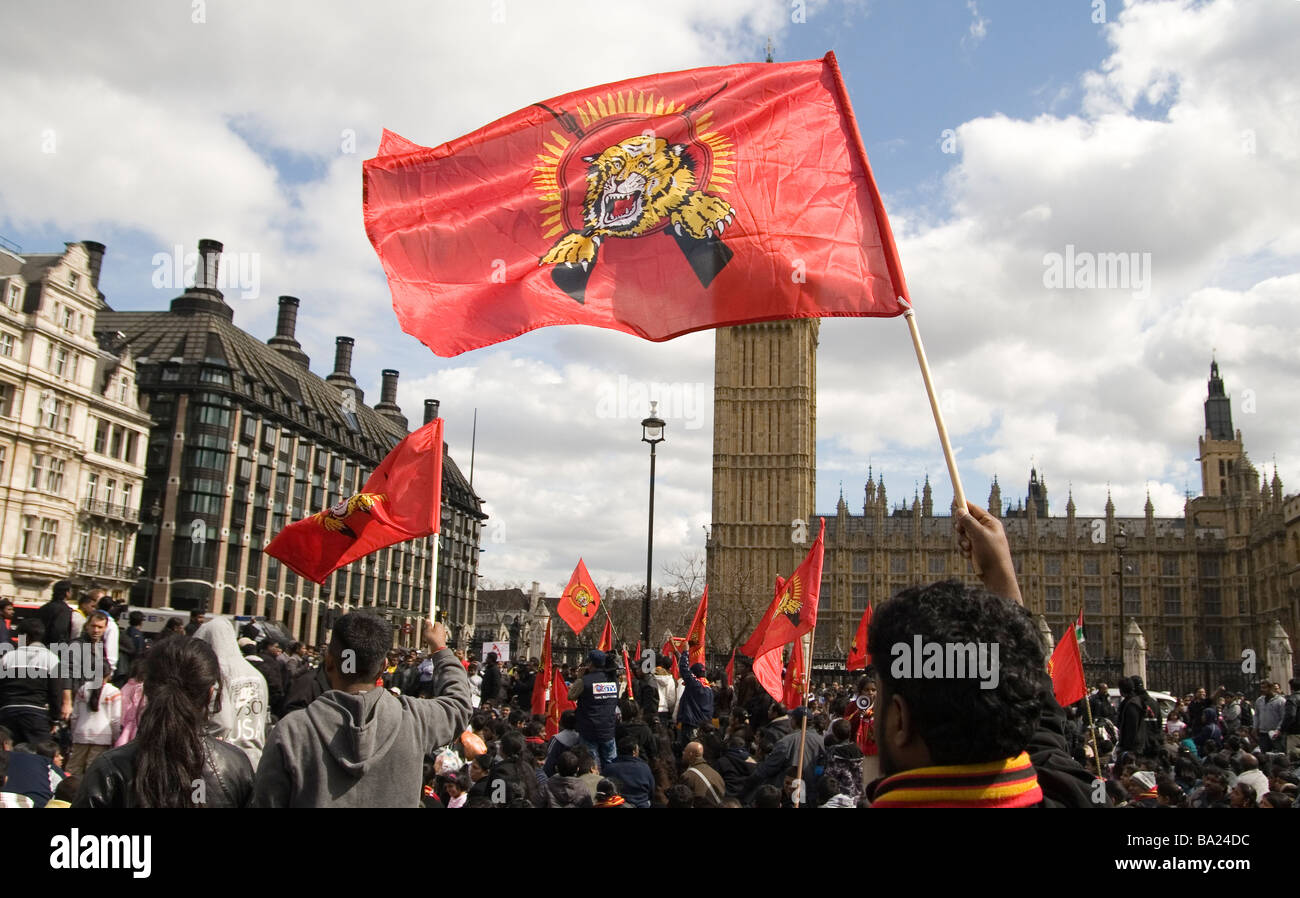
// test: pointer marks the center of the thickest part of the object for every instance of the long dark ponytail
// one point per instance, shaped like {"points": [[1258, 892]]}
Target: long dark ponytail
{"points": [[178, 683]]}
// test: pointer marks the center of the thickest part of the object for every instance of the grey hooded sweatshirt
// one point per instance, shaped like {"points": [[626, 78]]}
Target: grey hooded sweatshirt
{"points": [[362, 750], [244, 715]]}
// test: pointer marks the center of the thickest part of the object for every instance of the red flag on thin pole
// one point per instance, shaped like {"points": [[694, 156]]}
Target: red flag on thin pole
{"points": [[542, 681], [859, 658], [695, 636], [793, 611], [1066, 667], [606, 643], [704, 177], [580, 600], [673, 667], [558, 704], [401, 500], [627, 670], [731, 669]]}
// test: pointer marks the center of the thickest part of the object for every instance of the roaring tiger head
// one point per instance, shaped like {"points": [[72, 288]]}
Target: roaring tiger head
{"points": [[634, 185]]}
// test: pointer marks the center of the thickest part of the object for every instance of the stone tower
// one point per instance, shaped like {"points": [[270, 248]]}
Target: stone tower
{"points": [[764, 456]]}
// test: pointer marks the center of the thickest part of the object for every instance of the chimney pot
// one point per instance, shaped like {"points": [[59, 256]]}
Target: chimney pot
{"points": [[96, 252], [388, 393], [343, 356], [430, 410], [287, 321], [209, 264]]}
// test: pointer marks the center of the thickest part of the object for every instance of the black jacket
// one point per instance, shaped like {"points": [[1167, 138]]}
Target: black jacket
{"points": [[1132, 728], [596, 705], [1065, 782], [490, 690], [227, 778], [568, 792], [735, 765], [1101, 706], [306, 688]]}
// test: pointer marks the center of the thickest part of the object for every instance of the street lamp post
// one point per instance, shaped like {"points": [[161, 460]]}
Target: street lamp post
{"points": [[1121, 543], [652, 432], [155, 512]]}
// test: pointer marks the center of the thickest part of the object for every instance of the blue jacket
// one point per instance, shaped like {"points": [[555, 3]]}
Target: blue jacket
{"points": [[635, 781], [696, 706]]}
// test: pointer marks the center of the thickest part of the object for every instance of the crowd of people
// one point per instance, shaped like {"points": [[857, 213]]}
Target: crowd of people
{"points": [[208, 716]]}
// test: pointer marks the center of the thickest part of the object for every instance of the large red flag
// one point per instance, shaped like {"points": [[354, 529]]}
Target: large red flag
{"points": [[543, 679], [1066, 667], [795, 678], [558, 704], [695, 636], [655, 206], [793, 611], [580, 600], [859, 658], [606, 643], [401, 500]]}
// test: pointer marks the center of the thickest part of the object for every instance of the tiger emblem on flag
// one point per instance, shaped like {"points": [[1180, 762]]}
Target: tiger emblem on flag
{"points": [[633, 187], [791, 601], [582, 599], [334, 518]]}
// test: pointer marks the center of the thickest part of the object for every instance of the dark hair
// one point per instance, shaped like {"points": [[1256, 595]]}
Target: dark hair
{"points": [[959, 721], [368, 637], [1278, 799], [491, 658], [566, 764], [512, 744], [106, 603], [181, 675], [135, 618], [6, 735], [5, 603], [60, 591], [67, 788], [568, 720], [842, 731], [626, 745], [767, 796], [680, 796], [46, 748], [32, 629]]}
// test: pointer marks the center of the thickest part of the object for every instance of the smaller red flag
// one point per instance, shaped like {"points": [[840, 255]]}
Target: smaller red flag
{"points": [[627, 670], [638, 652], [543, 680], [795, 678], [606, 643], [401, 500], [558, 704], [767, 668], [675, 670], [580, 600], [1066, 667], [731, 669], [695, 635], [858, 656], [793, 611]]}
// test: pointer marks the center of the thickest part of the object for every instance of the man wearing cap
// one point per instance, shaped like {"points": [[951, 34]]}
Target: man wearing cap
{"points": [[1142, 790], [695, 701], [596, 692]]}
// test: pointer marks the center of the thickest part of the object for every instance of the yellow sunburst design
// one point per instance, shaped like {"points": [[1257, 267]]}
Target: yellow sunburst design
{"points": [[593, 110]]}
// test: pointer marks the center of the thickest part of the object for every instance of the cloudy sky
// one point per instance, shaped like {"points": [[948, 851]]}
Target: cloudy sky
{"points": [[1000, 133]]}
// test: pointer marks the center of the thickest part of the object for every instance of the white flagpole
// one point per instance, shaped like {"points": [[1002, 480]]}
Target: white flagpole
{"points": [[433, 592], [958, 493]]}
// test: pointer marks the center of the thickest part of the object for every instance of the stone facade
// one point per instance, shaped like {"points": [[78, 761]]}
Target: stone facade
{"points": [[72, 432]]}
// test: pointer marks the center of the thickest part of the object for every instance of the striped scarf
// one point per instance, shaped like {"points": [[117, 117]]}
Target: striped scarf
{"points": [[1009, 783]]}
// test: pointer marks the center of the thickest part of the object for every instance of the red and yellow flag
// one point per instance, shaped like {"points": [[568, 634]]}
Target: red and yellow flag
{"points": [[695, 636], [606, 643], [859, 658], [558, 704], [580, 600], [793, 611], [655, 206], [1066, 667], [401, 500], [543, 679]]}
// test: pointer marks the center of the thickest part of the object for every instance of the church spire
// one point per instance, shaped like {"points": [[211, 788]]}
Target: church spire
{"points": [[1218, 408], [927, 498], [995, 498]]}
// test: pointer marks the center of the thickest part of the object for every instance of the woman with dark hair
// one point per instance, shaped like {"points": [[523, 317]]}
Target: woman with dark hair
{"points": [[172, 763]]}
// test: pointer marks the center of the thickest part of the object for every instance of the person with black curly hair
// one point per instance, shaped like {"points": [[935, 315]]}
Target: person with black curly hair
{"points": [[961, 740]]}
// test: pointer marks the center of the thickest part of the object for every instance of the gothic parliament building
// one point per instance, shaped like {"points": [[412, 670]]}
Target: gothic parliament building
{"points": [[1205, 585]]}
